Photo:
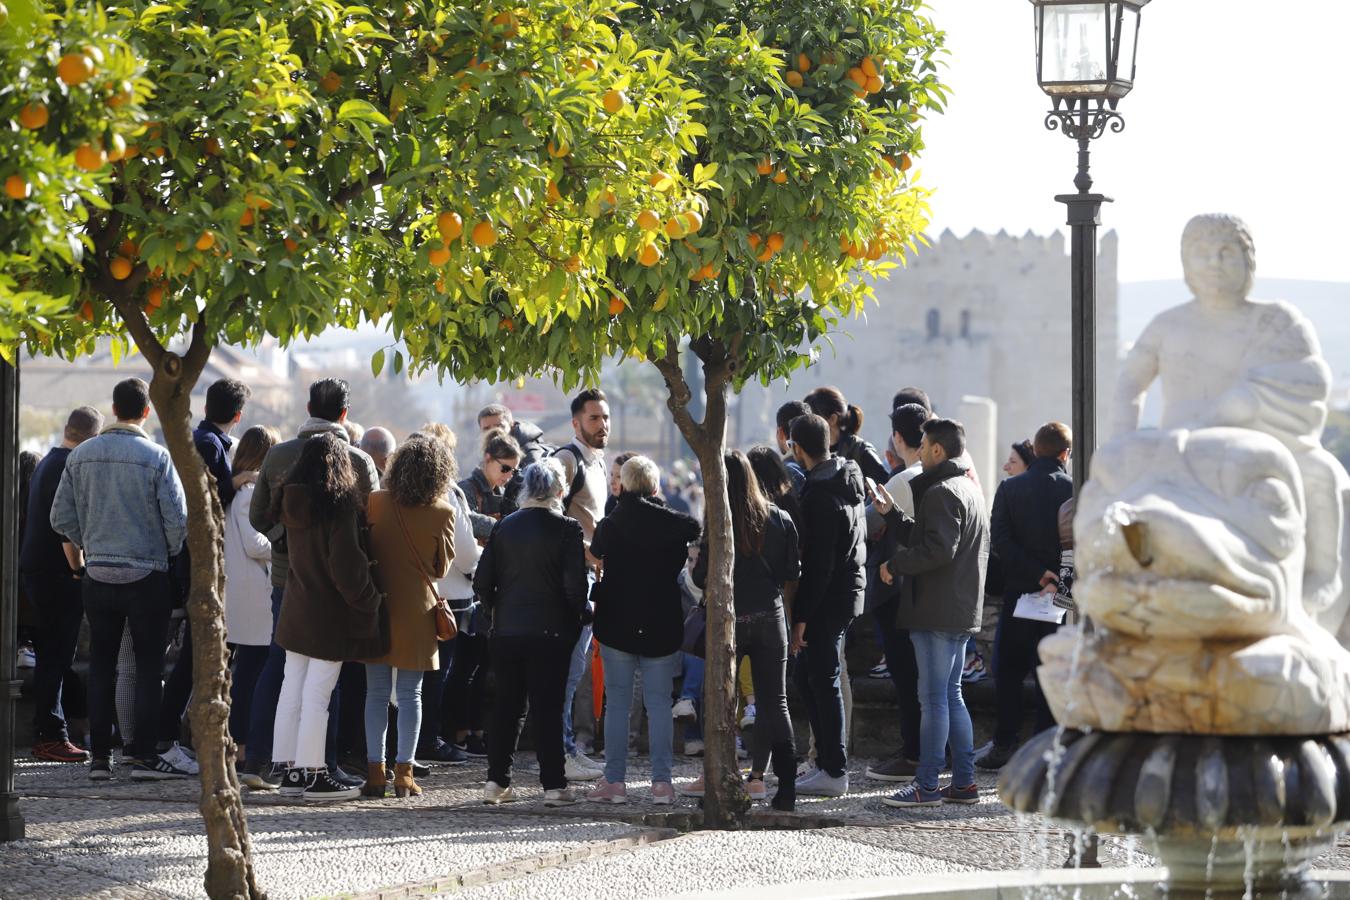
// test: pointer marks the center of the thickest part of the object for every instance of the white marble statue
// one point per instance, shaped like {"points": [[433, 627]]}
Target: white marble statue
{"points": [[1210, 550]]}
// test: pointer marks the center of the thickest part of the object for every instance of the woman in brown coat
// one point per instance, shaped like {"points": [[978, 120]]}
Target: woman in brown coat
{"points": [[412, 529]]}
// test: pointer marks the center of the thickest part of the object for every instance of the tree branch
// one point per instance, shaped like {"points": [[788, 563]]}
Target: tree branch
{"points": [[352, 191], [119, 294], [680, 395]]}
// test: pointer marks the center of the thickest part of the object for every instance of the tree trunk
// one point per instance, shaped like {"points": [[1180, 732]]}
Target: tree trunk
{"points": [[725, 801]]}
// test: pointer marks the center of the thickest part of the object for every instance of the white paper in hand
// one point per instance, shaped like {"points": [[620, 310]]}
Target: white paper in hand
{"points": [[1039, 607]]}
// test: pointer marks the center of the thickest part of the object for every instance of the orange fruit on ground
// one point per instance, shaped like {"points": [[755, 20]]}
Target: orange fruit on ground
{"points": [[573, 264], [90, 158], [873, 84], [676, 227], [803, 62], [331, 83], [648, 220], [692, 221], [613, 101], [291, 245], [649, 255], [450, 225], [34, 116], [775, 241], [120, 268], [616, 305], [17, 187], [206, 241], [484, 235], [662, 181], [75, 68], [794, 79], [552, 194], [764, 166], [858, 76], [558, 150], [439, 254], [87, 311], [905, 162], [779, 177], [247, 218]]}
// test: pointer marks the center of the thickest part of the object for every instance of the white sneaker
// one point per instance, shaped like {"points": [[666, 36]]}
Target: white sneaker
{"points": [[822, 784], [494, 793], [576, 770], [693, 748], [805, 769], [27, 658], [683, 709], [748, 718], [586, 761], [179, 758], [561, 797]]}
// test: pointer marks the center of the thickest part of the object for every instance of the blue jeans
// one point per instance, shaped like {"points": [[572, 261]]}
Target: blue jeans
{"points": [[408, 690], [658, 679], [433, 698], [692, 689], [940, 656], [580, 654]]}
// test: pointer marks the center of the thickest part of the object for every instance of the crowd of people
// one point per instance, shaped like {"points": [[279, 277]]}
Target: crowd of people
{"points": [[380, 608]]}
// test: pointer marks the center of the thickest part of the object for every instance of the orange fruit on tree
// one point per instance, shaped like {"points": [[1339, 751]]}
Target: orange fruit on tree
{"points": [[90, 158], [256, 202], [331, 83], [154, 299], [649, 255], [247, 218], [696, 274], [876, 249], [754, 241], [869, 67], [509, 22], [206, 241], [117, 148], [609, 201], [765, 255], [573, 263], [706, 272], [75, 68], [34, 116], [212, 146], [439, 254], [692, 221], [779, 177], [87, 311], [648, 220], [17, 187], [291, 245], [120, 99], [484, 235], [764, 166], [129, 249], [905, 162], [803, 62], [676, 227], [662, 181], [614, 100], [858, 77], [507, 325], [450, 225], [588, 63], [616, 305], [552, 194], [860, 92], [558, 150], [794, 79], [775, 241], [873, 84], [120, 268], [132, 152]]}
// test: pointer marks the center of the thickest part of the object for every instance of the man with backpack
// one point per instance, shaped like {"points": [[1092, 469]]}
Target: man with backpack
{"points": [[583, 462], [528, 435]]}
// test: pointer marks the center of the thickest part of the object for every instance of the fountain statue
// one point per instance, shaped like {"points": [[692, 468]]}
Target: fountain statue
{"points": [[1204, 698]]}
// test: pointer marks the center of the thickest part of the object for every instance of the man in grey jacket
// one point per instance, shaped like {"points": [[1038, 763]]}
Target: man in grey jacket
{"points": [[120, 501], [328, 402], [941, 604]]}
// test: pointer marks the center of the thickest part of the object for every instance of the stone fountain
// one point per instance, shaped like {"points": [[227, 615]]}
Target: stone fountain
{"points": [[1204, 699]]}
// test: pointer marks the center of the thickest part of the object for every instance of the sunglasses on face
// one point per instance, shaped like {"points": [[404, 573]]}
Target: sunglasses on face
{"points": [[506, 470]]}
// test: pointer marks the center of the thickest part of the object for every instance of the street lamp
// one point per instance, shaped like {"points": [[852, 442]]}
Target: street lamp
{"points": [[1085, 58]]}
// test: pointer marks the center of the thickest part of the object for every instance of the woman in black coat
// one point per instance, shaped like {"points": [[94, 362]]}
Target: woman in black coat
{"points": [[639, 621]]}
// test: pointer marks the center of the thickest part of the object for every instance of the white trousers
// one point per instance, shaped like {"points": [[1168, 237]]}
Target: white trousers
{"points": [[301, 728]]}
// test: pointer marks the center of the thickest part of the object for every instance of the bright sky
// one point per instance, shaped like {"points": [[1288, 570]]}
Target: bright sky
{"points": [[1238, 107]]}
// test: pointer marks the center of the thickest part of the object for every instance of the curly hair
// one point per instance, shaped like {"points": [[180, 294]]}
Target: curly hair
{"points": [[325, 467], [443, 433], [420, 472]]}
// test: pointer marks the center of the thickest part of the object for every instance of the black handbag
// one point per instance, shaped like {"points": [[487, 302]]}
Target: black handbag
{"points": [[695, 632]]}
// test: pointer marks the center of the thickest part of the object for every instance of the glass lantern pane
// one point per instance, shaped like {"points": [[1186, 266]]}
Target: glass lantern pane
{"points": [[1129, 34], [1075, 44]]}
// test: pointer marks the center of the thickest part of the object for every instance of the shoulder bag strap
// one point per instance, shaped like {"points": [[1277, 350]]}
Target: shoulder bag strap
{"points": [[412, 549]]}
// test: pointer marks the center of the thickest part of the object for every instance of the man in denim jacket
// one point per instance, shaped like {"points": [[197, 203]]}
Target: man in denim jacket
{"points": [[121, 502]]}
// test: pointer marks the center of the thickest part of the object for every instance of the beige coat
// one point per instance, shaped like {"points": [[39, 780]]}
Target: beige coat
{"points": [[400, 574]]}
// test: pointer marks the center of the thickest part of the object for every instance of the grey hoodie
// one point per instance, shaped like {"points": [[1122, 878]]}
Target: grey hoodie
{"points": [[277, 466]]}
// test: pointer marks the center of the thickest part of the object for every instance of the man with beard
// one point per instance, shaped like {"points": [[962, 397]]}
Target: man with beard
{"points": [[583, 460]]}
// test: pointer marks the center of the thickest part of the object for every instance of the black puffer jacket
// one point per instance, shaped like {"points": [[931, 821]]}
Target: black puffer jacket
{"points": [[834, 542], [759, 578], [852, 447], [644, 545], [532, 575], [530, 437]]}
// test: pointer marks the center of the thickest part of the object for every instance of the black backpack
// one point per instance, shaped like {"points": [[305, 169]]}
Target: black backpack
{"points": [[536, 451], [578, 477]]}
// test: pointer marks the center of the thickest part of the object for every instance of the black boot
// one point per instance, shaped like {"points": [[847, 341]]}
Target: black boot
{"points": [[785, 769]]}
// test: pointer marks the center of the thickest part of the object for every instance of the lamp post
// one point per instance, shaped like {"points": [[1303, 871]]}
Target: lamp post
{"points": [[1085, 58], [11, 822]]}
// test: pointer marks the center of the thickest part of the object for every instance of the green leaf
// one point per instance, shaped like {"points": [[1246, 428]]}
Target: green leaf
{"points": [[361, 111], [377, 362]]}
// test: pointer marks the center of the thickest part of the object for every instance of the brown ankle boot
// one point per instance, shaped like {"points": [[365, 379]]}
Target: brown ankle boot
{"points": [[404, 786], [375, 781]]}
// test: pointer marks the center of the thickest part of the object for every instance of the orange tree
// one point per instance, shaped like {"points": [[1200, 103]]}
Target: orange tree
{"points": [[185, 173], [749, 238]]}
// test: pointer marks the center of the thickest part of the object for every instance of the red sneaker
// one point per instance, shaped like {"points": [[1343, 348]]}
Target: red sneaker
{"points": [[59, 751]]}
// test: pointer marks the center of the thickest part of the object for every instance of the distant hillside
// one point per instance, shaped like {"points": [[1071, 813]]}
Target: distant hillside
{"points": [[1326, 303]]}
